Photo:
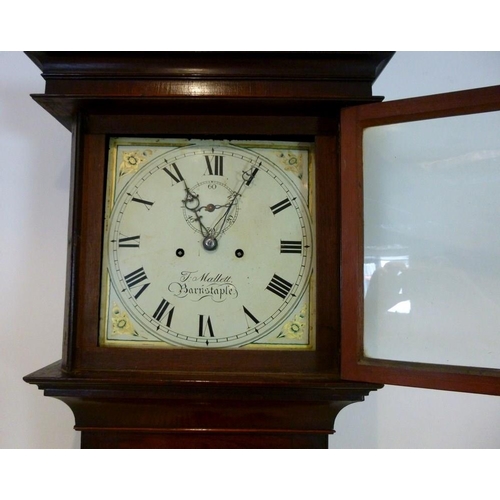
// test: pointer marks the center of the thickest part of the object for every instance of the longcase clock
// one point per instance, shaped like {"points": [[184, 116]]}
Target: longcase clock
{"points": [[216, 262]]}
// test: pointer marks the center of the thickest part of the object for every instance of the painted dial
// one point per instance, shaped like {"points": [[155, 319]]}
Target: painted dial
{"points": [[208, 246]]}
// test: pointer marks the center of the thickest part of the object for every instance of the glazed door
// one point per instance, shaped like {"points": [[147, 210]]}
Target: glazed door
{"points": [[421, 242]]}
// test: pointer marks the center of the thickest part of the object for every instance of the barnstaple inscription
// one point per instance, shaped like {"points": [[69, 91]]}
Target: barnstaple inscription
{"points": [[197, 286]]}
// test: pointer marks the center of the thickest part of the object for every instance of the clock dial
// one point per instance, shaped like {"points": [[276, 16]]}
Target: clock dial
{"points": [[209, 245]]}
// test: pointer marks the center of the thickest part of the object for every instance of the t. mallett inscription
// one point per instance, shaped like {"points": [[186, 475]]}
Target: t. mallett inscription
{"points": [[196, 285]]}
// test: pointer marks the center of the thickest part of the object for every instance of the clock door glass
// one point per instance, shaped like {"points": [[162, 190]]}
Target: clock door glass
{"points": [[431, 263], [208, 244]]}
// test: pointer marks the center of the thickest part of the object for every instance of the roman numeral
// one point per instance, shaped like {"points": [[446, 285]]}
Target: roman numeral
{"points": [[203, 325], [287, 246], [161, 310], [135, 279], [251, 176], [250, 315], [129, 242], [281, 206], [279, 286], [215, 165], [146, 203], [177, 176]]}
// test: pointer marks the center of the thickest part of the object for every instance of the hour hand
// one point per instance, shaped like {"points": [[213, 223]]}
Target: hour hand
{"points": [[191, 201]]}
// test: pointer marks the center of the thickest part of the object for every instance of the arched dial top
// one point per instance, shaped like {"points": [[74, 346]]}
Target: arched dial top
{"points": [[208, 245]]}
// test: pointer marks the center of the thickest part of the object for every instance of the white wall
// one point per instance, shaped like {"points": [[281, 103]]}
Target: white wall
{"points": [[34, 183]]}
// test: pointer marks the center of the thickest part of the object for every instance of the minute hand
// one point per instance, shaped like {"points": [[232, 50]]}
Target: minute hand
{"points": [[246, 180]]}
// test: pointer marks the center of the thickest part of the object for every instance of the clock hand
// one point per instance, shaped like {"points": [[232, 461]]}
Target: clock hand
{"points": [[224, 216], [211, 207], [210, 235], [247, 176], [190, 199], [192, 203]]}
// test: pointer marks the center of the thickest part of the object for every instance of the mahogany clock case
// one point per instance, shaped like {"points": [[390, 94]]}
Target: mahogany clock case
{"points": [[189, 397], [90, 355], [276, 96], [281, 96]]}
